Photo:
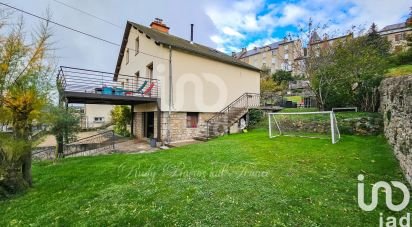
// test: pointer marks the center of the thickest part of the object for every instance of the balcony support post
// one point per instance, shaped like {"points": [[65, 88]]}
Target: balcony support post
{"points": [[159, 134], [132, 121]]}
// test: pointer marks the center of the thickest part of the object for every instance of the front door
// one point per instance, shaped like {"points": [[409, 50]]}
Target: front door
{"points": [[148, 120]]}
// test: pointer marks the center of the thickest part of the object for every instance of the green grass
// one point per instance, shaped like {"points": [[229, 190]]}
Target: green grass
{"points": [[400, 71], [296, 99], [244, 179]]}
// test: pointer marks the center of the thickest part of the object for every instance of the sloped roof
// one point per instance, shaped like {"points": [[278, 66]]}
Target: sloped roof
{"points": [[180, 44], [393, 27], [258, 50]]}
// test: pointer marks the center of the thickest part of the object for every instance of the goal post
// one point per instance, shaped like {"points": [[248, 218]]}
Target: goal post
{"points": [[345, 109], [322, 125]]}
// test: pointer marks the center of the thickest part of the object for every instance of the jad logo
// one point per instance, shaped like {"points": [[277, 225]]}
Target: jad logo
{"points": [[389, 221]]}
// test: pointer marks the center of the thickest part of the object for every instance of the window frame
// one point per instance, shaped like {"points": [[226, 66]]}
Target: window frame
{"points": [[99, 119], [137, 46], [127, 56], [190, 121]]}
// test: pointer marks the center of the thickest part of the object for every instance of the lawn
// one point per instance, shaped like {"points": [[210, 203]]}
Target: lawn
{"points": [[296, 99], [400, 71], [244, 179]]}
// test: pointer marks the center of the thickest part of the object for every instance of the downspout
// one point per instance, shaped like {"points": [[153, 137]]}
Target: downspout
{"points": [[170, 95]]}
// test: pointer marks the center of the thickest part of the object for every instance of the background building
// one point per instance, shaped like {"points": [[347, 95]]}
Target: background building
{"points": [[396, 35], [276, 56]]}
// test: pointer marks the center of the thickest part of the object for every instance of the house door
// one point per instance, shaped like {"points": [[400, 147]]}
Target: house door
{"points": [[148, 120]]}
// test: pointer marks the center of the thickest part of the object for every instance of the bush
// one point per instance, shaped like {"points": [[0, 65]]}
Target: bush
{"points": [[401, 58], [120, 118], [255, 116]]}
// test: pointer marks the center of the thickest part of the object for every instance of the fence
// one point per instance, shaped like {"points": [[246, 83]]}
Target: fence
{"points": [[96, 144]]}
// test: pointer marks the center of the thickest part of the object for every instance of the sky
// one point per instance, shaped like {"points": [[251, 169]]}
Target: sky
{"points": [[226, 25]]}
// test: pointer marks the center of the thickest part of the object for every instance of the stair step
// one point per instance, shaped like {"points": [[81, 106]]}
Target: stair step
{"points": [[201, 138]]}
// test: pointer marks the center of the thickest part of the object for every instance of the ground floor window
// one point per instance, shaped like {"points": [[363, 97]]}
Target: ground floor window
{"points": [[192, 119], [98, 119]]}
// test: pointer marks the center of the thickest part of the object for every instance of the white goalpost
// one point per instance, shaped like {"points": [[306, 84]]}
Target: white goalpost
{"points": [[322, 125], [343, 109]]}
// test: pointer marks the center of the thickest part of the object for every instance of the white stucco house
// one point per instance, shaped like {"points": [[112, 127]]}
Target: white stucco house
{"points": [[194, 81], [178, 89]]}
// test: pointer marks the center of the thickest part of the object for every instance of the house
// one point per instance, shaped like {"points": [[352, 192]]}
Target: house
{"points": [[396, 35], [96, 115], [275, 56], [93, 115], [193, 84]]}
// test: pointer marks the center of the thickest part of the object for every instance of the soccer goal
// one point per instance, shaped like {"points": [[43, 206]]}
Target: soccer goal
{"points": [[322, 125], [345, 109]]}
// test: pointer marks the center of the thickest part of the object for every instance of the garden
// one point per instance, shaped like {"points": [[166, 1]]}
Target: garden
{"points": [[241, 179]]}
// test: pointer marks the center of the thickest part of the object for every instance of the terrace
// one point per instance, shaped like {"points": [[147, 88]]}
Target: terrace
{"points": [[96, 87]]}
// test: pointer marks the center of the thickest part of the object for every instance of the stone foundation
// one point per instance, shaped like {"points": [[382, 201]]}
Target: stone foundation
{"points": [[178, 128], [396, 106], [138, 125]]}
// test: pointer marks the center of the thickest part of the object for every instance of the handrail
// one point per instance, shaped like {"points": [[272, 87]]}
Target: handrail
{"points": [[243, 100], [89, 137], [78, 80]]}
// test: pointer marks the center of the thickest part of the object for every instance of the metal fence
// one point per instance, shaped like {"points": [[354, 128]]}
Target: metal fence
{"points": [[90, 81], [96, 144]]}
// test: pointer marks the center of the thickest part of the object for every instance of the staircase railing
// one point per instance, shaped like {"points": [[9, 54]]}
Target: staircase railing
{"points": [[245, 101]]}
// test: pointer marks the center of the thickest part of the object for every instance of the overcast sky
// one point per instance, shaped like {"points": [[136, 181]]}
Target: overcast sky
{"points": [[225, 25]]}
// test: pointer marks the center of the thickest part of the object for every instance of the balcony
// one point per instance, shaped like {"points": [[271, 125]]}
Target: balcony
{"points": [[95, 87]]}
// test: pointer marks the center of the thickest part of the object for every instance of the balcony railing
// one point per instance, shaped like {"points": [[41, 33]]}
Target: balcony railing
{"points": [[90, 81]]}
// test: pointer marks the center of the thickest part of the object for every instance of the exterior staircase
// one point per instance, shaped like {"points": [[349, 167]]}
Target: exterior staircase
{"points": [[221, 122]]}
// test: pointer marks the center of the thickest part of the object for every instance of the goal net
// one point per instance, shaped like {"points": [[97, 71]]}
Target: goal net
{"points": [[322, 125]]}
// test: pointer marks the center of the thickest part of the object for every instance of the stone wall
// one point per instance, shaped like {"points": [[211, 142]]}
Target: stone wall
{"points": [[178, 129], [396, 106], [362, 125], [138, 125]]}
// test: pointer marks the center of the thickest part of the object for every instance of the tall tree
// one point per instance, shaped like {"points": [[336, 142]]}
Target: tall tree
{"points": [[24, 91], [377, 42]]}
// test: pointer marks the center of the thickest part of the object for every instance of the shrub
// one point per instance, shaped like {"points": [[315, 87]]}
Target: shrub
{"points": [[255, 116], [120, 118]]}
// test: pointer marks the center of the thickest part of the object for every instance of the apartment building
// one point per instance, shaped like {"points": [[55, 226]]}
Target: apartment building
{"points": [[396, 35], [275, 56]]}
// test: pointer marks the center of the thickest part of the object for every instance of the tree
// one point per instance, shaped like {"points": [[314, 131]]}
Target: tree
{"points": [[121, 117], [377, 42], [347, 73], [282, 77], [64, 126], [24, 90]]}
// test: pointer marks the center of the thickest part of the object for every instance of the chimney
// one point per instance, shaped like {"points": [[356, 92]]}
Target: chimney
{"points": [[191, 33], [158, 25]]}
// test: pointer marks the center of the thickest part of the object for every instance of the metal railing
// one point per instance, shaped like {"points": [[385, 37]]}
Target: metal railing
{"points": [[236, 108], [104, 141], [98, 82], [95, 144]]}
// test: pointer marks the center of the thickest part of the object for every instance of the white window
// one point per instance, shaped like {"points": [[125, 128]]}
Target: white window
{"points": [[127, 56], [98, 119], [286, 47], [273, 60], [286, 56], [136, 46]]}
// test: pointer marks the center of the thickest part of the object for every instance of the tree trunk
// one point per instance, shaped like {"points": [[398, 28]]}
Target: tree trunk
{"points": [[60, 144], [26, 168], [11, 178]]}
